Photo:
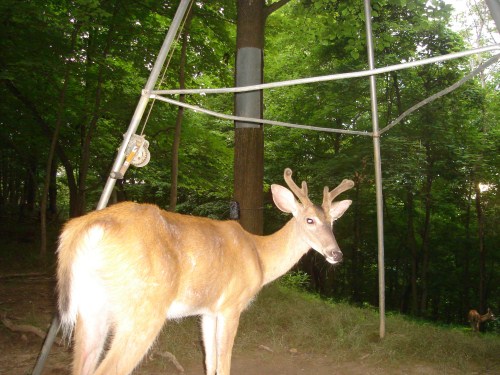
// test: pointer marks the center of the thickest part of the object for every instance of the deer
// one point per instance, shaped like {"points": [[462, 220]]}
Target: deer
{"points": [[475, 319], [124, 270]]}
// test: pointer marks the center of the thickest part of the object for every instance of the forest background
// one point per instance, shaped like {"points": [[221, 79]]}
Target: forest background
{"points": [[72, 72]]}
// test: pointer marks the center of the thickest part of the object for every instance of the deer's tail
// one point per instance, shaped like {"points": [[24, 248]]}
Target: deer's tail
{"points": [[78, 285]]}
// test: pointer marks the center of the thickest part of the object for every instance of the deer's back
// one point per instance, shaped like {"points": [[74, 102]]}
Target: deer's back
{"points": [[130, 250]]}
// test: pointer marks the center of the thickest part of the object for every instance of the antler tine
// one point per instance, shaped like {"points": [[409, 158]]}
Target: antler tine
{"points": [[301, 193], [328, 197]]}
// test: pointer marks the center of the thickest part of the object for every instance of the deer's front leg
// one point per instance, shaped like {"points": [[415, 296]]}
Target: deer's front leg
{"points": [[227, 325], [209, 328]]}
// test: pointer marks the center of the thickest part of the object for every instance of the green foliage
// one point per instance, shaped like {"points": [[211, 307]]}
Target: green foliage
{"points": [[296, 280], [85, 62]]}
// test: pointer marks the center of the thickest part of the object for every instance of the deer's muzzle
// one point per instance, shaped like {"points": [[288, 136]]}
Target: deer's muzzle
{"points": [[333, 256]]}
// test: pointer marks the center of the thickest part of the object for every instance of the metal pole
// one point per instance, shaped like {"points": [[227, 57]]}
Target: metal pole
{"points": [[143, 101], [494, 6], [47, 345], [134, 123], [378, 170]]}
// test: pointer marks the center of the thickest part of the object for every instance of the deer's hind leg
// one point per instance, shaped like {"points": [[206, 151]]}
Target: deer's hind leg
{"points": [[90, 337], [131, 341], [137, 319]]}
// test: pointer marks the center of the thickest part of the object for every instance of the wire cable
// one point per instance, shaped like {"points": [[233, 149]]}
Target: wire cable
{"points": [[256, 120], [441, 93], [332, 77], [157, 94], [171, 54]]}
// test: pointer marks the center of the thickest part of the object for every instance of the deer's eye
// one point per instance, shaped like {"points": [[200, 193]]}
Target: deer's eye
{"points": [[309, 221]]}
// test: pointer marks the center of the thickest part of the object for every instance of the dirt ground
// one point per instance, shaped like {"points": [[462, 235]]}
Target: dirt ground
{"points": [[30, 300]]}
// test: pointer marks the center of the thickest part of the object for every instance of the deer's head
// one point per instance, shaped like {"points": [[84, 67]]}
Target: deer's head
{"points": [[490, 315], [314, 222]]}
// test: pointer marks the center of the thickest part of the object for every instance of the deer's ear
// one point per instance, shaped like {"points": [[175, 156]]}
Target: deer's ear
{"points": [[284, 199], [338, 209]]}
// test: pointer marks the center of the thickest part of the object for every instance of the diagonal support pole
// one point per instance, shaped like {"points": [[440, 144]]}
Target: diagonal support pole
{"points": [[143, 101], [494, 7], [120, 158]]}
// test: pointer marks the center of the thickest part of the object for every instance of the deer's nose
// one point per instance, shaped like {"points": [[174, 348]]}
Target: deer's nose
{"points": [[333, 256]]}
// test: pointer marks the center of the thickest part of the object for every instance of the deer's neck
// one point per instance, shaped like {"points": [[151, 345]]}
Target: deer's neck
{"points": [[485, 317], [280, 251]]}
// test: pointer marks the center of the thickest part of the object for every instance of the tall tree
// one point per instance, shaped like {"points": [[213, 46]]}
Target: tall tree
{"points": [[174, 172], [51, 166], [249, 137]]}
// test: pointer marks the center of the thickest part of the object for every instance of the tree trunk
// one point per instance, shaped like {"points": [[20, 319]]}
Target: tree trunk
{"points": [[482, 249], [465, 300], [29, 191], [426, 230], [337, 137], [52, 204], [249, 137], [88, 132], [178, 122], [412, 247], [357, 271], [51, 166], [72, 186]]}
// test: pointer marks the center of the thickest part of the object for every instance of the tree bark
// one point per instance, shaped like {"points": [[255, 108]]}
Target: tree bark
{"points": [[178, 122], [29, 190], [412, 246], [88, 131], [465, 300], [248, 177], [426, 230], [49, 171], [357, 269], [52, 204], [481, 248], [249, 137], [72, 185]]}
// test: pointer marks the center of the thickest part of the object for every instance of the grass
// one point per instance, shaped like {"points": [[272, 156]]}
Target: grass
{"points": [[283, 318]]}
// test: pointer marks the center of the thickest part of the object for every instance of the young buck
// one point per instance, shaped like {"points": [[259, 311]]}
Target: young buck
{"points": [[122, 271], [475, 319]]}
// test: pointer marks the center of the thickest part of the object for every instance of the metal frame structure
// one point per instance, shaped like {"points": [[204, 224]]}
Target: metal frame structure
{"points": [[150, 93]]}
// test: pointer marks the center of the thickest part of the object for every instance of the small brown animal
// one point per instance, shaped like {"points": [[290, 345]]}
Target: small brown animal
{"points": [[475, 319]]}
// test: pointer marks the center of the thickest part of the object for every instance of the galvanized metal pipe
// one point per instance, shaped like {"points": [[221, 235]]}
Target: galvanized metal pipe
{"points": [[143, 101], [378, 169]]}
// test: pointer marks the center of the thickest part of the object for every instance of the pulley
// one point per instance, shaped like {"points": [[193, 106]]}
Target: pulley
{"points": [[138, 147], [137, 154]]}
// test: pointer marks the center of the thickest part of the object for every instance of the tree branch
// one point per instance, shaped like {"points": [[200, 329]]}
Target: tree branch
{"points": [[45, 127], [25, 328], [274, 7], [171, 358]]}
